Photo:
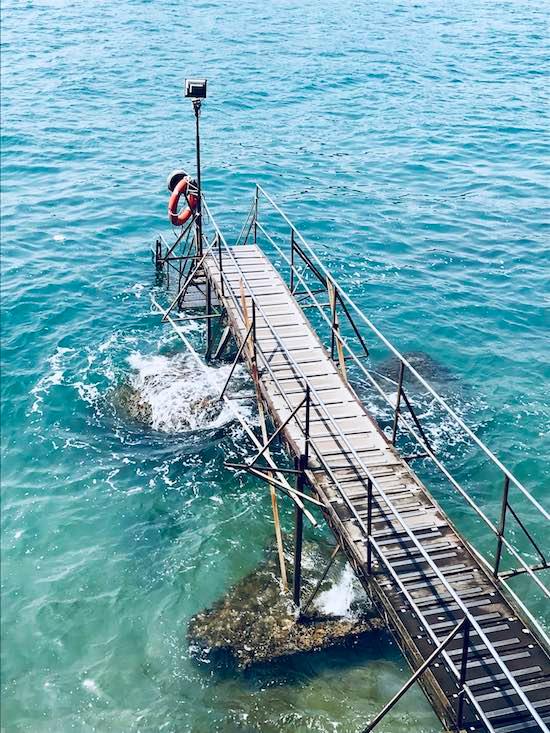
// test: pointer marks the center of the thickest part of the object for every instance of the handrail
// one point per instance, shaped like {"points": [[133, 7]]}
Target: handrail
{"points": [[321, 274], [475, 625], [412, 370], [429, 453]]}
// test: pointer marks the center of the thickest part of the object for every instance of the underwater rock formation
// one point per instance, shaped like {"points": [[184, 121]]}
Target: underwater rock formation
{"points": [[130, 402], [255, 622], [427, 366]]}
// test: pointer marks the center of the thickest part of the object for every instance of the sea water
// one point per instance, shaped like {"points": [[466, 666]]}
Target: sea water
{"points": [[409, 141]]}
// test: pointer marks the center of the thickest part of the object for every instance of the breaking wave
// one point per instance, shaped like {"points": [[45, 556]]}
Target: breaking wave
{"points": [[175, 395], [145, 379]]}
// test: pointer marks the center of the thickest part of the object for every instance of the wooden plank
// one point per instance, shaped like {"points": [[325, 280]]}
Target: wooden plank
{"points": [[296, 341]]}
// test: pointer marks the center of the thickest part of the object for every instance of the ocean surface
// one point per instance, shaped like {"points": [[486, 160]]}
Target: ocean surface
{"points": [[409, 142]]}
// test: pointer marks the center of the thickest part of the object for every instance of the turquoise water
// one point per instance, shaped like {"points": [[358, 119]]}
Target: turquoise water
{"points": [[408, 140]]}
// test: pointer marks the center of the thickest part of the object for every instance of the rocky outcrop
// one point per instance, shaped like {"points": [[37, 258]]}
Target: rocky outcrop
{"points": [[255, 622]]}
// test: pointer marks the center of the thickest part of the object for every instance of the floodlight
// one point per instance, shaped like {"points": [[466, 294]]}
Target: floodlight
{"points": [[195, 88]]}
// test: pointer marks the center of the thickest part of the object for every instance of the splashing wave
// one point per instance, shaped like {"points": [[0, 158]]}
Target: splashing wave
{"points": [[176, 395]]}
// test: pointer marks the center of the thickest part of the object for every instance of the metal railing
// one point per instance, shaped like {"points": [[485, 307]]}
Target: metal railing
{"points": [[221, 254], [300, 253]]}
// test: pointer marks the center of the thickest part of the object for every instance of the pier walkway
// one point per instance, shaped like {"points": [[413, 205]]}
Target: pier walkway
{"points": [[479, 655]]}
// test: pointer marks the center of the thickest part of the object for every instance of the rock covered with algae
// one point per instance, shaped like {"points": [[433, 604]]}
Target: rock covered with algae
{"points": [[255, 622]]}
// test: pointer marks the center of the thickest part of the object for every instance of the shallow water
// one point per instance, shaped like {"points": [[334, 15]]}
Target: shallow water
{"points": [[407, 139]]}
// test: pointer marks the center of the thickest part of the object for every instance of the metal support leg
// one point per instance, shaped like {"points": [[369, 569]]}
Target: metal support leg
{"points": [[235, 362], [158, 254], [311, 598], [224, 340], [298, 531], [277, 432], [463, 671], [298, 537], [369, 526], [501, 524], [397, 402], [419, 672]]}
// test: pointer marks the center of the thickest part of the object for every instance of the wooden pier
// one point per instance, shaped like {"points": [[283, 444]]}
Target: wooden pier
{"points": [[481, 660]]}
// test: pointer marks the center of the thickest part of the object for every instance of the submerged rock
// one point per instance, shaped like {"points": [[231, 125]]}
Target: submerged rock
{"points": [[130, 402], [426, 365], [140, 405], [255, 622]]}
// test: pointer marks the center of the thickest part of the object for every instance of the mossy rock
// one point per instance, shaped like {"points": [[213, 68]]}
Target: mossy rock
{"points": [[255, 622]]}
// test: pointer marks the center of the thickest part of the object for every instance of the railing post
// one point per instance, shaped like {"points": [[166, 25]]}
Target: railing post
{"points": [[333, 321], [208, 318], [292, 260], [307, 426], [253, 334], [397, 401], [369, 526], [463, 672], [256, 197], [501, 524], [220, 263]]}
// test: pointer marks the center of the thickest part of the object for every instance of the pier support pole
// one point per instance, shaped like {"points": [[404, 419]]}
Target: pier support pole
{"points": [[300, 465], [298, 534], [158, 255]]}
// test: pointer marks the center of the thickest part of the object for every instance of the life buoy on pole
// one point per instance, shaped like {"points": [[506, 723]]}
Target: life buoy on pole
{"points": [[182, 188]]}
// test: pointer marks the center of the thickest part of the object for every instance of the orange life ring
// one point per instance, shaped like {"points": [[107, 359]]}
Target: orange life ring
{"points": [[180, 189]]}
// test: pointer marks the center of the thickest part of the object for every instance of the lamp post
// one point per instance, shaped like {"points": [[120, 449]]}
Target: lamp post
{"points": [[195, 89]]}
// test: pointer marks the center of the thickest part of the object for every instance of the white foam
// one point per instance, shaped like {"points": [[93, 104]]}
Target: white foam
{"points": [[181, 396], [54, 376], [93, 688], [337, 600]]}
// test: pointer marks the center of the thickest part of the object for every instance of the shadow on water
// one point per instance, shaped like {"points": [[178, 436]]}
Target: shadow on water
{"points": [[296, 669]]}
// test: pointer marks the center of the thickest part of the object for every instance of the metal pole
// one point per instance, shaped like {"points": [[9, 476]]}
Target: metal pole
{"points": [[307, 428], [198, 215], [501, 524], [463, 671], [292, 260], [255, 364], [158, 254], [311, 598], [298, 537], [423, 667], [369, 526], [256, 216], [220, 264], [397, 401], [332, 298], [235, 361], [208, 319]]}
